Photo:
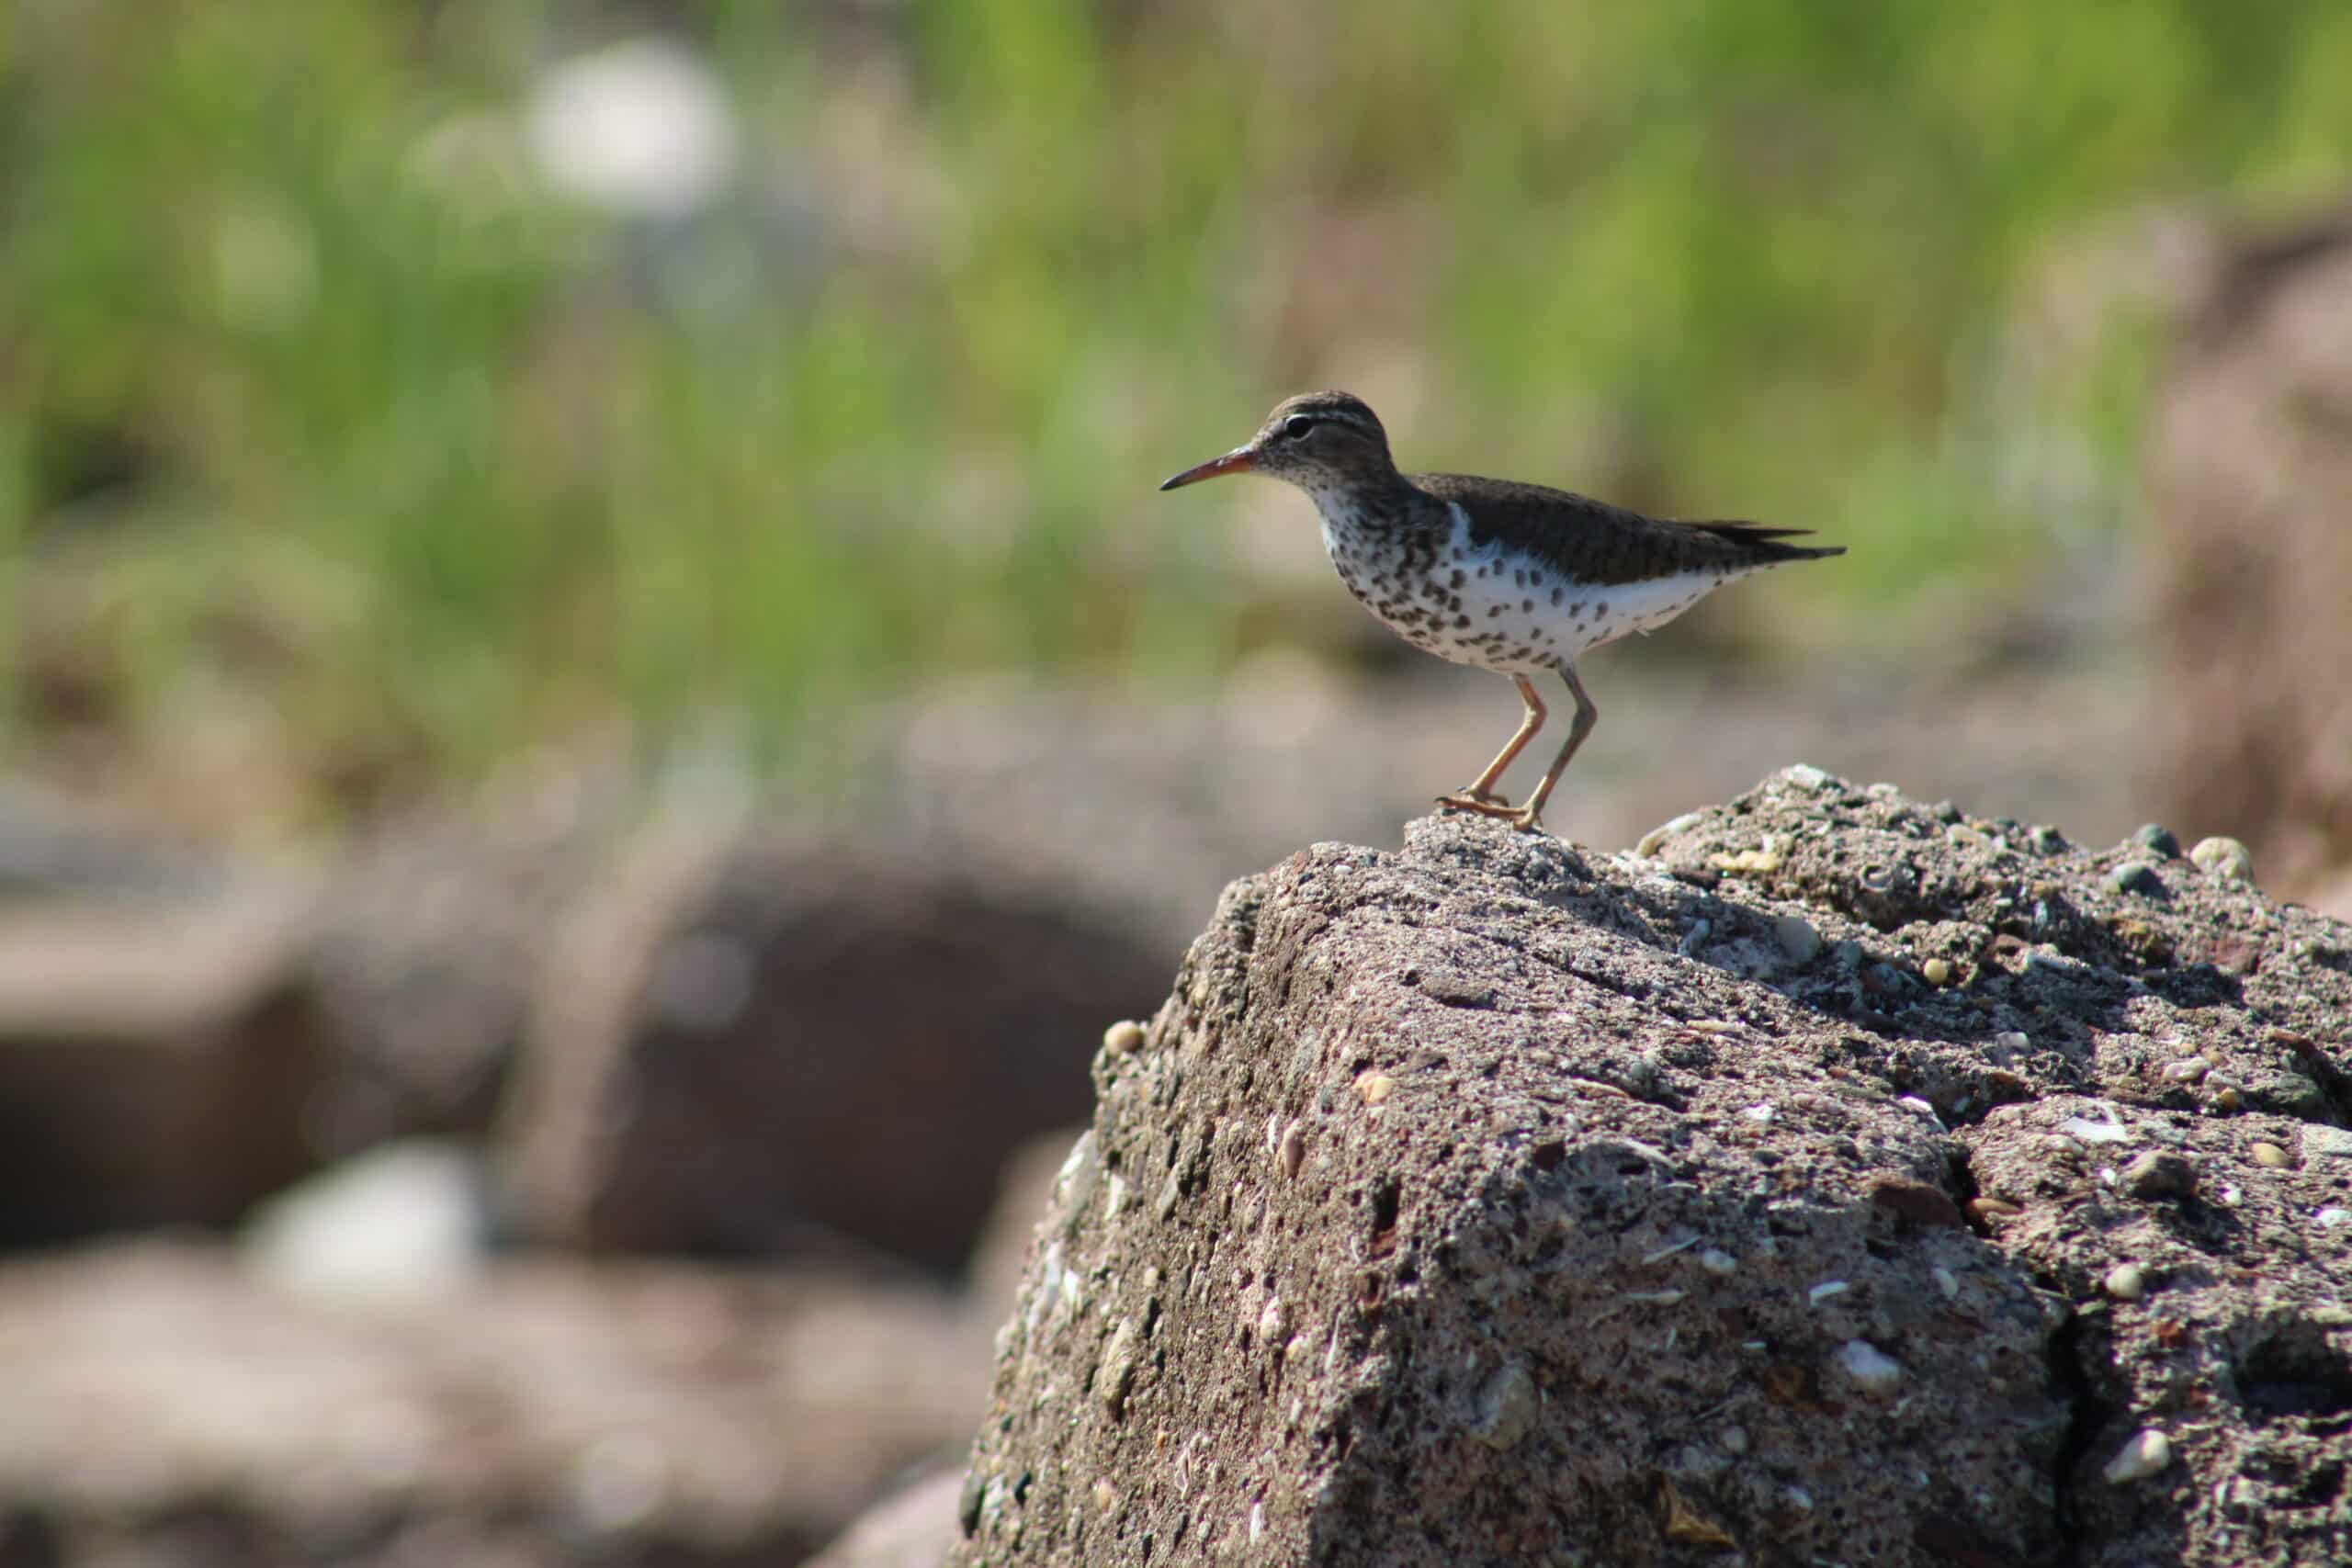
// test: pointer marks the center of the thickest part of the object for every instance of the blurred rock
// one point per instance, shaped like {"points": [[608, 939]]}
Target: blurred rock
{"points": [[1023, 1193], [913, 1527], [2251, 560], [402, 1220], [760, 1045], [158, 1058], [165, 1407], [427, 944]]}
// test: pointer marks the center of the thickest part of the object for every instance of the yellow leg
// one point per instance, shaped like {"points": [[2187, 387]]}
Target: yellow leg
{"points": [[1531, 819], [1480, 796]]}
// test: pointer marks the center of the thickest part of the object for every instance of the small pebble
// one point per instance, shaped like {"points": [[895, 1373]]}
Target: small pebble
{"points": [[1504, 1407], [1800, 942], [1715, 1260], [1754, 862], [1989, 1212], [2158, 1175], [2270, 1156], [2228, 1098], [2147, 1453], [1123, 1038], [1374, 1088], [2127, 1281], [1937, 971], [1655, 839], [2135, 876], [2223, 860], [1872, 1370], [2048, 840], [2157, 837], [1291, 1153], [1805, 776], [2188, 1069]]}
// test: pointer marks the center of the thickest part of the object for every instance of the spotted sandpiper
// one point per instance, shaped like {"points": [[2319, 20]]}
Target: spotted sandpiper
{"points": [[1514, 577]]}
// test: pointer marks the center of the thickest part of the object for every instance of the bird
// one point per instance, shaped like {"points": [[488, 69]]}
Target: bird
{"points": [[1520, 578]]}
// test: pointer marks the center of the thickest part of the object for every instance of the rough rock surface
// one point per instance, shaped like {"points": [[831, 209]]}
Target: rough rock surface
{"points": [[1835, 1179], [2250, 483]]}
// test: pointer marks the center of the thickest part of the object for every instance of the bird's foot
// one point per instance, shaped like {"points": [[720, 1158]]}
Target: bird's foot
{"points": [[1483, 802], [1530, 820]]}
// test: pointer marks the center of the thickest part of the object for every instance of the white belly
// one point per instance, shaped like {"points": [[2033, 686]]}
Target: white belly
{"points": [[1479, 606]]}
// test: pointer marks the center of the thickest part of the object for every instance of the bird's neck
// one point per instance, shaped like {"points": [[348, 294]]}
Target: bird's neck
{"points": [[1374, 501]]}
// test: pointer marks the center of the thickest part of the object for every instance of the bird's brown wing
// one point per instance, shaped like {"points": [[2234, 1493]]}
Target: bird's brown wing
{"points": [[1598, 543]]}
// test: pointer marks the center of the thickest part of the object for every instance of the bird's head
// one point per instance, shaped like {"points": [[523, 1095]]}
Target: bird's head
{"points": [[1318, 441]]}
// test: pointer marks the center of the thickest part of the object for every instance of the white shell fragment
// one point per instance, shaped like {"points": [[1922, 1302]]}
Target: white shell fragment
{"points": [[2148, 1452]]}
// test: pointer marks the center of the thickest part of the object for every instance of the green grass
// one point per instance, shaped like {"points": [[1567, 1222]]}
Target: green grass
{"points": [[325, 428]]}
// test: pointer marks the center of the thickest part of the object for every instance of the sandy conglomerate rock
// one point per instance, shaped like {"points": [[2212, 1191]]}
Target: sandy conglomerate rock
{"points": [[1838, 1179]]}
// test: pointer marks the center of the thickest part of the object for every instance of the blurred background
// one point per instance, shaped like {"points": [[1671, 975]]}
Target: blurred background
{"points": [[597, 709]]}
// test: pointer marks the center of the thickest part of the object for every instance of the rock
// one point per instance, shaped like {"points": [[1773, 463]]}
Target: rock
{"points": [[2147, 1453], [407, 1219], [2250, 556], [1673, 1193], [2225, 859], [1800, 943], [1030, 1174], [161, 1401], [2135, 876], [756, 1046], [2127, 1281], [160, 1054], [2154, 1175], [913, 1527], [2157, 837]]}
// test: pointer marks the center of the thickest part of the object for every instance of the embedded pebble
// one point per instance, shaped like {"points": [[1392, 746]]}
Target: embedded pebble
{"points": [[1754, 862], [1123, 1038], [2048, 840], [1655, 839], [1715, 1260], [2147, 1453], [1116, 1375], [1872, 1370], [1800, 942], [1805, 775], [1826, 1289], [1937, 971], [1504, 1407], [2270, 1156], [2188, 1069], [2158, 1175], [2157, 837], [1292, 1151], [2082, 1129], [2227, 1098], [2127, 1281], [2134, 876], [2223, 860], [1374, 1088]]}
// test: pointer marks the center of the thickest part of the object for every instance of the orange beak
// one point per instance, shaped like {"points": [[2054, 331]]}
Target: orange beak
{"points": [[1240, 460]]}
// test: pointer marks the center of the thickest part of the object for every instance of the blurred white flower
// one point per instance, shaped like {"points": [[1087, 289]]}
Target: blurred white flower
{"points": [[641, 128]]}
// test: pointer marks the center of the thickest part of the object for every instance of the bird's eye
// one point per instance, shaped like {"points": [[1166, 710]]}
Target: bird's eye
{"points": [[1297, 426]]}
